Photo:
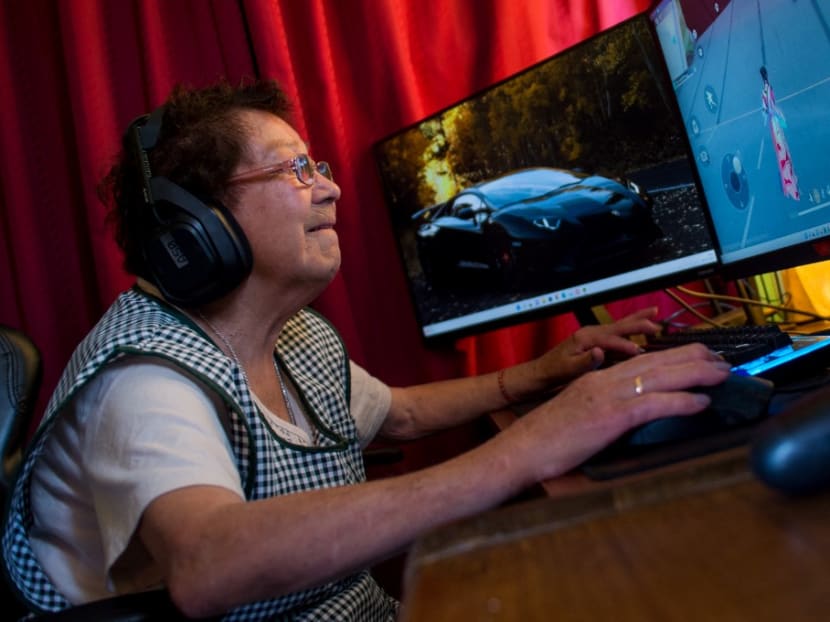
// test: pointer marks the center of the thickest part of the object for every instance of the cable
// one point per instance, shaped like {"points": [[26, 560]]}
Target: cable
{"points": [[669, 322], [692, 310], [757, 303]]}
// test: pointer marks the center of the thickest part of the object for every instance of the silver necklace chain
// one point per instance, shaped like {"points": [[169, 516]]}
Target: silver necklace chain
{"points": [[288, 402], [227, 342]]}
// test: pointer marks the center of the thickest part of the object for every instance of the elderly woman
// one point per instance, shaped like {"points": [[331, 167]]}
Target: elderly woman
{"points": [[206, 435]]}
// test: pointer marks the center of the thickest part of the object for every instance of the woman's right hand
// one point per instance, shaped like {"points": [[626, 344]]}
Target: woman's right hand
{"points": [[598, 407]]}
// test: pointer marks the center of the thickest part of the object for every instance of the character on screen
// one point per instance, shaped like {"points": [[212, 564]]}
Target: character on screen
{"points": [[777, 124]]}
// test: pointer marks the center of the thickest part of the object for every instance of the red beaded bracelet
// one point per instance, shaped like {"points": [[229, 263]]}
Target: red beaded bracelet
{"points": [[508, 398]]}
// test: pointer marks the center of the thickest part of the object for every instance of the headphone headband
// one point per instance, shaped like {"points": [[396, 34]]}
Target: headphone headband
{"points": [[195, 250]]}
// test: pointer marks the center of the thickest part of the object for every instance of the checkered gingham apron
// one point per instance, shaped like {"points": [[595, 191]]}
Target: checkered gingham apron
{"points": [[316, 360]]}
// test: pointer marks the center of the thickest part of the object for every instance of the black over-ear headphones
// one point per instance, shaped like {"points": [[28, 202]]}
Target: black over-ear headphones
{"points": [[195, 250]]}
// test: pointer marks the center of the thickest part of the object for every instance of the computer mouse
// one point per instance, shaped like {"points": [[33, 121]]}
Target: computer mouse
{"points": [[736, 401], [791, 450]]}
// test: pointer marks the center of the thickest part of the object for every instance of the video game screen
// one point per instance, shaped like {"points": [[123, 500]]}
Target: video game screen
{"points": [[752, 81], [567, 184]]}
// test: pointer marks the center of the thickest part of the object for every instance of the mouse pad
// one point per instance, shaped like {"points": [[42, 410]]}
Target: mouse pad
{"points": [[620, 459]]}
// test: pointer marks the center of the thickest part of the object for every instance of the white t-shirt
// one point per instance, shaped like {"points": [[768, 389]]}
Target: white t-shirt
{"points": [[140, 429]]}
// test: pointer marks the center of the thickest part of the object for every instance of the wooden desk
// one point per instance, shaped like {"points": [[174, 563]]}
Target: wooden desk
{"points": [[703, 543]]}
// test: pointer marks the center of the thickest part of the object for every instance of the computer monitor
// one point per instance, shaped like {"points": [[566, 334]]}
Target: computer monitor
{"points": [[752, 81], [567, 185]]}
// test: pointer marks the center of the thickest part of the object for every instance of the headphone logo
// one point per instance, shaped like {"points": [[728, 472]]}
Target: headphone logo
{"points": [[174, 250]]}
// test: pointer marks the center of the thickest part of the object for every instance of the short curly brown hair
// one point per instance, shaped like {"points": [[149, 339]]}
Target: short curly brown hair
{"points": [[200, 143]]}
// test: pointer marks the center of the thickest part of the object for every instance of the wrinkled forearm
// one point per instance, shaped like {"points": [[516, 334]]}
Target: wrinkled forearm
{"points": [[422, 409], [219, 552]]}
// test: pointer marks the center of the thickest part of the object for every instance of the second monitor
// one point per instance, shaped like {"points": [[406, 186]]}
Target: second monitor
{"points": [[752, 79]]}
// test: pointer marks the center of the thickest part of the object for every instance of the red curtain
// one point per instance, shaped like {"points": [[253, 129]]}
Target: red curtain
{"points": [[73, 74]]}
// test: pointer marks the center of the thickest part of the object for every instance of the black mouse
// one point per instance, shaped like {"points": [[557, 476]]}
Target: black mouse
{"points": [[791, 450], [737, 400]]}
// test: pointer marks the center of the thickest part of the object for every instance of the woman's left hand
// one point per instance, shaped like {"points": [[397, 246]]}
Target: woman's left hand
{"points": [[586, 348]]}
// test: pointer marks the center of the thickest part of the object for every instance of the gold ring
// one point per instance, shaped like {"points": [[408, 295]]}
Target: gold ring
{"points": [[638, 385]]}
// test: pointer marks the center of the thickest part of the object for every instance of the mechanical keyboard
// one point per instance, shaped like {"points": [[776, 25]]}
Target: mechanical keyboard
{"points": [[736, 344]]}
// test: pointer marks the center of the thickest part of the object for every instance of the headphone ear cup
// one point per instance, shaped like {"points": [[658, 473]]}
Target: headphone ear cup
{"points": [[195, 250]]}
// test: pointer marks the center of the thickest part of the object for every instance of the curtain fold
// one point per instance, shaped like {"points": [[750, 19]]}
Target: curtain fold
{"points": [[74, 74]]}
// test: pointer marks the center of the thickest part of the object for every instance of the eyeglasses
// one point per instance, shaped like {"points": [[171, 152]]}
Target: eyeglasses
{"points": [[302, 165]]}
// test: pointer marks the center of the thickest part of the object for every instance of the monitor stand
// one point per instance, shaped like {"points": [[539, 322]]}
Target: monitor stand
{"points": [[590, 316]]}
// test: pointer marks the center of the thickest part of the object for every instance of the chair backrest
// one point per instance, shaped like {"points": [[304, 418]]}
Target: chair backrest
{"points": [[20, 376]]}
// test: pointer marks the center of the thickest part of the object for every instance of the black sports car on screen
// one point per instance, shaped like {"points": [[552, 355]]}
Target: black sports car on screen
{"points": [[538, 220]]}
